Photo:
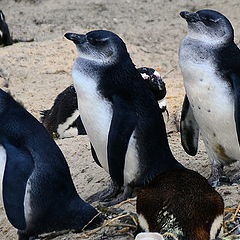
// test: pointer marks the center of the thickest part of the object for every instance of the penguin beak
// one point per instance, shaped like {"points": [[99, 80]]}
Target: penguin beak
{"points": [[76, 38], [190, 17]]}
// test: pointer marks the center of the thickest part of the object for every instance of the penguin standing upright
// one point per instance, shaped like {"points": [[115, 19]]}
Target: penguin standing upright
{"points": [[120, 114], [210, 64], [36, 186]]}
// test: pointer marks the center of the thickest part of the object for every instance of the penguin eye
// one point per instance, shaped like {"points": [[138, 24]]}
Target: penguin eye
{"points": [[209, 21], [96, 41]]}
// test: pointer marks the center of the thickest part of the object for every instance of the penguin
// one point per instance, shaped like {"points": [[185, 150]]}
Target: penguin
{"points": [[37, 190], [209, 60], [5, 38], [120, 114], [63, 119], [181, 202]]}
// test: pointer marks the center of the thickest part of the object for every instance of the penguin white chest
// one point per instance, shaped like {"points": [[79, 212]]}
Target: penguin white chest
{"points": [[3, 159], [213, 107], [96, 114]]}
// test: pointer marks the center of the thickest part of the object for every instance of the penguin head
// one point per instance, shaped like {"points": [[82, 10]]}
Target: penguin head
{"points": [[209, 26], [100, 47]]}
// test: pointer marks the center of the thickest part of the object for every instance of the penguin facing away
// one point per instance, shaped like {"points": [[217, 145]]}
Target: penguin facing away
{"points": [[63, 119], [120, 114], [5, 38], [37, 190], [181, 202], [209, 61]]}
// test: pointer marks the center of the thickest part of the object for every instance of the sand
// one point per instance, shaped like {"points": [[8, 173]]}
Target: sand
{"points": [[36, 72]]}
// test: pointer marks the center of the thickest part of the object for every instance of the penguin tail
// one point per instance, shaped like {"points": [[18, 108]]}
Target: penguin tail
{"points": [[44, 114], [95, 222]]}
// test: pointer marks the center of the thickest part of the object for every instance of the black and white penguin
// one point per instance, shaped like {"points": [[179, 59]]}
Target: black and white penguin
{"points": [[5, 38], [36, 186], [181, 202], [209, 61], [63, 119], [120, 114]]}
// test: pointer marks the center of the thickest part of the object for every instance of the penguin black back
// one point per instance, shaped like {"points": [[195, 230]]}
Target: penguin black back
{"points": [[38, 192]]}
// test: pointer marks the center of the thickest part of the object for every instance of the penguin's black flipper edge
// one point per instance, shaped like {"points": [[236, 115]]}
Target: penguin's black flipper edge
{"points": [[122, 126], [19, 166], [236, 92], [189, 129], [94, 155]]}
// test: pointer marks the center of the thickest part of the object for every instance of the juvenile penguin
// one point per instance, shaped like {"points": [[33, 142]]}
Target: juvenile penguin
{"points": [[209, 61], [37, 190], [120, 114], [181, 202], [63, 119], [5, 38]]}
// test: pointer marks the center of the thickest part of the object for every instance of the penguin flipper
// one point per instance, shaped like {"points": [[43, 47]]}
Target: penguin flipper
{"points": [[189, 129], [94, 155], [19, 166], [236, 92], [122, 126]]}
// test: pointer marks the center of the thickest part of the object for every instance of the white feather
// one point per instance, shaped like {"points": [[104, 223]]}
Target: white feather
{"points": [[3, 159], [143, 223], [63, 130], [216, 226], [27, 202], [131, 167], [96, 114]]}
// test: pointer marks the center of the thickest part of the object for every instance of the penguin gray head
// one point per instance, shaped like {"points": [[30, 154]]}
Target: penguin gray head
{"points": [[208, 26], [99, 47]]}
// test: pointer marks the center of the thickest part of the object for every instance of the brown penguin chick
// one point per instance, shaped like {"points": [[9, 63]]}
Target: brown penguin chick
{"points": [[182, 202]]}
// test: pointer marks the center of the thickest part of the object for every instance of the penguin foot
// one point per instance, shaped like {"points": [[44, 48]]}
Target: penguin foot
{"points": [[127, 193], [223, 180], [106, 194], [216, 175], [24, 236], [235, 179]]}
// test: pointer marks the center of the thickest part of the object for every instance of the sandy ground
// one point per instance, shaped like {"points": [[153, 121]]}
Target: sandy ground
{"points": [[36, 72]]}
